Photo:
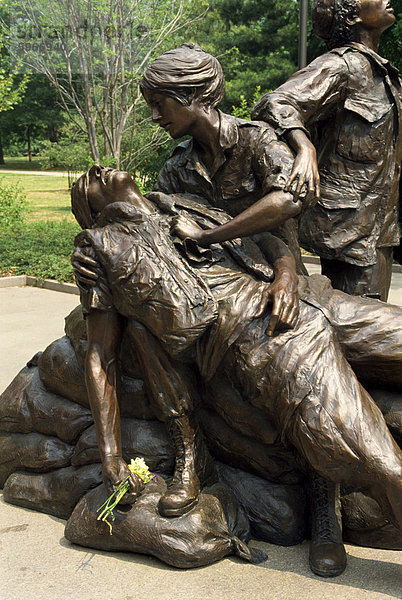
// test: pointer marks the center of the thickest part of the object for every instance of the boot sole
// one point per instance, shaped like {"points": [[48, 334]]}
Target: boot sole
{"points": [[178, 512], [334, 572]]}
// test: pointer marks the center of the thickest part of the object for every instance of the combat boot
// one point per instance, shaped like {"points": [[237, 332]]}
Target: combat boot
{"points": [[327, 552], [184, 488]]}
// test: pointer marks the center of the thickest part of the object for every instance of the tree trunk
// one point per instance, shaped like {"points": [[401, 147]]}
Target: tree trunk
{"points": [[93, 141], [53, 133], [29, 143], [1, 153]]}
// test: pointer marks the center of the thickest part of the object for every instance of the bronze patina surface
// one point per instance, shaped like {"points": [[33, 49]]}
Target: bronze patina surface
{"points": [[205, 353]]}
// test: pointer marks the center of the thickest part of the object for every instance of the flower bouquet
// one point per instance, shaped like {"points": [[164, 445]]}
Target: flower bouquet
{"points": [[137, 466]]}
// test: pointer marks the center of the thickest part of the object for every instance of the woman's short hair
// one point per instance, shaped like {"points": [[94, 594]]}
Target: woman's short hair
{"points": [[80, 206], [334, 20], [184, 74]]}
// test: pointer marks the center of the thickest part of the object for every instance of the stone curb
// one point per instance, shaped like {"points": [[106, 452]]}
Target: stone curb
{"points": [[15, 281], [47, 284], [51, 284]]}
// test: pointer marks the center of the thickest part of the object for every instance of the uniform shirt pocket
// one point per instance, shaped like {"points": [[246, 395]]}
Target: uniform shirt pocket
{"points": [[365, 130]]}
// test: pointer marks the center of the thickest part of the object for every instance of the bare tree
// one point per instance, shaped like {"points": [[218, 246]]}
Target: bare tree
{"points": [[94, 52]]}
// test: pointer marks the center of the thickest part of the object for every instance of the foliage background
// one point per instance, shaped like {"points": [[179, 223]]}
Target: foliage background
{"points": [[256, 42]]}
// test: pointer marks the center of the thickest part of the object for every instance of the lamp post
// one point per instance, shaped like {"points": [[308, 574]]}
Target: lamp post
{"points": [[303, 16]]}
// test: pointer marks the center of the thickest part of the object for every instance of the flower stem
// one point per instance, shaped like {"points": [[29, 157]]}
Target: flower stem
{"points": [[110, 504]]}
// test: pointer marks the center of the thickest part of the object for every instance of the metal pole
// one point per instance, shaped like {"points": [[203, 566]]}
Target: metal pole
{"points": [[303, 16]]}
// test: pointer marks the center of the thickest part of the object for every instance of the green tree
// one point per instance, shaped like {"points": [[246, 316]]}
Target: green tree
{"points": [[12, 86], [11, 91], [391, 40], [36, 117], [256, 42], [94, 52]]}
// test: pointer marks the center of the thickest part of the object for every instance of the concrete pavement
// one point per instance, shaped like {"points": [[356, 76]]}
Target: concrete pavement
{"points": [[38, 563], [30, 319]]}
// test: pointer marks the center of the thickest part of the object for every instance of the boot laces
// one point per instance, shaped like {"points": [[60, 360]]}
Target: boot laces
{"points": [[326, 525], [325, 522], [177, 439]]}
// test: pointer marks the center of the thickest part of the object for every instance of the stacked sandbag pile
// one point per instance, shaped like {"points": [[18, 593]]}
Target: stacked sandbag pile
{"points": [[49, 461], [48, 453]]}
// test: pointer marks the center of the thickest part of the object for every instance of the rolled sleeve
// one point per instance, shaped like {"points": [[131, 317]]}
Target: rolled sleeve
{"points": [[273, 163]]}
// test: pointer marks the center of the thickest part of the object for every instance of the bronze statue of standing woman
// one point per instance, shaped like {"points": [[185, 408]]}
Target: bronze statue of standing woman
{"points": [[347, 104]]}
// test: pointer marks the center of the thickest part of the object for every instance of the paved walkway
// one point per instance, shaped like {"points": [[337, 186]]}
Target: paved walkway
{"points": [[30, 319], [37, 562]]}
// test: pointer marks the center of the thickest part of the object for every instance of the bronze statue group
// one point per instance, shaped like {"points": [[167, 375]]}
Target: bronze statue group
{"points": [[198, 276]]}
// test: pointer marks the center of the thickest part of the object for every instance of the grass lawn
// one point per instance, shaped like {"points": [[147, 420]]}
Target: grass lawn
{"points": [[42, 244], [21, 163], [48, 197]]}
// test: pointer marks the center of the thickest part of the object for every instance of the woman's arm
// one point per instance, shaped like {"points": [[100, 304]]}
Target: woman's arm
{"points": [[266, 214], [282, 293], [305, 166], [104, 330]]}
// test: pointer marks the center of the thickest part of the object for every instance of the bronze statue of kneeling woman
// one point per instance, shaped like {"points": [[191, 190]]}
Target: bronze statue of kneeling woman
{"points": [[213, 314]]}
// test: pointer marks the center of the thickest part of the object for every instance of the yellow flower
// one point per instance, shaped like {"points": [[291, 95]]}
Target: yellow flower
{"points": [[140, 467]]}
